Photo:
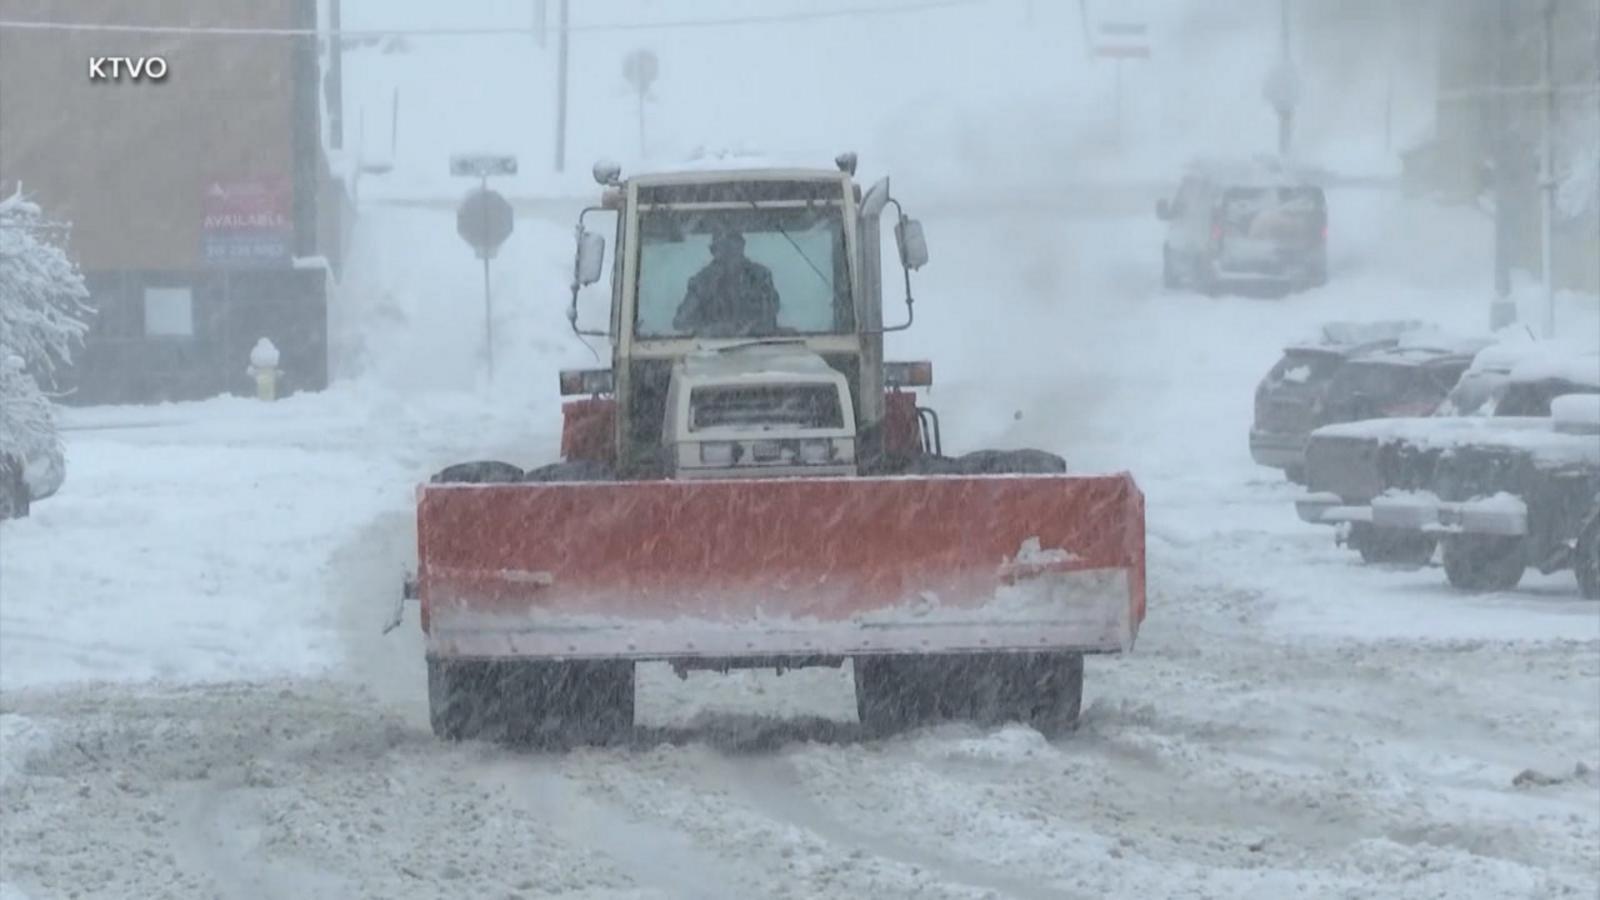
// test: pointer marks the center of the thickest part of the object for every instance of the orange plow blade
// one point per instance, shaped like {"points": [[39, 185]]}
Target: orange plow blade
{"points": [[781, 567]]}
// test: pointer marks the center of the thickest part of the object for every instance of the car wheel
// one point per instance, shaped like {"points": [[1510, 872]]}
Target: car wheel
{"points": [[1586, 560], [1393, 546], [1483, 563]]}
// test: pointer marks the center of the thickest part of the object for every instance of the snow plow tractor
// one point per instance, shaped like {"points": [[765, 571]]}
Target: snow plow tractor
{"points": [[750, 485]]}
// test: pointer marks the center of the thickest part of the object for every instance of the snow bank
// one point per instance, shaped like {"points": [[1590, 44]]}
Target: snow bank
{"points": [[1576, 413], [21, 741]]}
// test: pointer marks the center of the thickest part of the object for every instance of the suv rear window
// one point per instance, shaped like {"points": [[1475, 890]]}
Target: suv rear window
{"points": [[1303, 367]]}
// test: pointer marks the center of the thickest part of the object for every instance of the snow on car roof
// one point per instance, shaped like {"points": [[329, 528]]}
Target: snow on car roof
{"points": [[1409, 356], [1578, 368], [1534, 435], [1335, 336]]}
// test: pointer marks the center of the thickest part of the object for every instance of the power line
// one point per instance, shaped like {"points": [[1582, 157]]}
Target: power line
{"points": [[228, 31]]}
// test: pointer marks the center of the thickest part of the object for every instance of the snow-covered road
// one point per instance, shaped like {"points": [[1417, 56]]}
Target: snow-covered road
{"points": [[195, 701]]}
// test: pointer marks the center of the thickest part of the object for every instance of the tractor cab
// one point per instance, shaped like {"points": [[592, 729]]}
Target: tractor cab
{"points": [[748, 297]]}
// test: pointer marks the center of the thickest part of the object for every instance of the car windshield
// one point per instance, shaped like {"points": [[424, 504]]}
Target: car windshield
{"points": [[801, 249]]}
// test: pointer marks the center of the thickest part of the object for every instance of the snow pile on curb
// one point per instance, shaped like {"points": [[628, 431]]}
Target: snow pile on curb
{"points": [[21, 741]]}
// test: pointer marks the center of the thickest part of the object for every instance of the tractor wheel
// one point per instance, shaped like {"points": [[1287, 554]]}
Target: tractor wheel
{"points": [[1386, 545], [1483, 563], [570, 703], [1586, 560], [1044, 690], [575, 470], [460, 693], [1010, 462], [479, 472], [894, 693], [531, 701]]}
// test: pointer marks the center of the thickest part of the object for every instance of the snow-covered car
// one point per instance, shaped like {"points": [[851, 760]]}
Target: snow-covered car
{"points": [[1395, 487], [1258, 222], [1409, 372]]}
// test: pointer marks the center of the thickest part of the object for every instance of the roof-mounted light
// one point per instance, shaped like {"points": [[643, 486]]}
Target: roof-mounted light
{"points": [[908, 374], [846, 162], [586, 381], [607, 172]]}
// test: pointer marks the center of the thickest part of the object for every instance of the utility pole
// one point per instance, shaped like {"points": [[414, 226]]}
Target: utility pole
{"points": [[1547, 170], [1285, 111], [334, 89], [561, 85], [1504, 160]]}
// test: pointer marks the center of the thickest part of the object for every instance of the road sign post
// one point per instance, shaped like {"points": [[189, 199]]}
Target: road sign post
{"points": [[1119, 41], [640, 69], [484, 220]]}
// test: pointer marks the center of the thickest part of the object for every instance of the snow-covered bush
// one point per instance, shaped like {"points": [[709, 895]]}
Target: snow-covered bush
{"points": [[44, 306], [43, 315]]}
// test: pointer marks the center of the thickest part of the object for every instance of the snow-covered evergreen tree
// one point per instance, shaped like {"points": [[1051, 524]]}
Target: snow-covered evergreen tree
{"points": [[44, 313]]}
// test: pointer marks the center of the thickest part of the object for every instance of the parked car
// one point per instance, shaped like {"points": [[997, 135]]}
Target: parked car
{"points": [[1259, 223], [1380, 481], [1387, 369]]}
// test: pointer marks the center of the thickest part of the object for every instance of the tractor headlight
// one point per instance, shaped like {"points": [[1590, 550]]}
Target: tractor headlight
{"points": [[718, 453], [816, 452]]}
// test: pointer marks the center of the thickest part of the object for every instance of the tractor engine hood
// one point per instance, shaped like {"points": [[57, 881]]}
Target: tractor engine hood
{"points": [[758, 410]]}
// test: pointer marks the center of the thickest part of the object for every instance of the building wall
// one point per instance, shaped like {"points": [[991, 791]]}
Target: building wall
{"points": [[1489, 42], [188, 198]]}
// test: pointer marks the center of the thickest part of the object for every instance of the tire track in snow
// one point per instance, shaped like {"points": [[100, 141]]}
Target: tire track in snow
{"points": [[665, 859], [774, 786], [219, 834]]}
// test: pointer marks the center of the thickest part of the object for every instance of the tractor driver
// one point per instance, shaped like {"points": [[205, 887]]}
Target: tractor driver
{"points": [[731, 296]]}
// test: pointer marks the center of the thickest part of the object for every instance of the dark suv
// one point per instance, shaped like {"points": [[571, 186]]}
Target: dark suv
{"points": [[1257, 224], [1321, 384]]}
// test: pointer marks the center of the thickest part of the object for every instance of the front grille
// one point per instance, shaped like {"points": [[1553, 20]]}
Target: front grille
{"points": [[799, 406]]}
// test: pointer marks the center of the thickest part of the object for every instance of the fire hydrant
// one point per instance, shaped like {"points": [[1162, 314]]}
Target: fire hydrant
{"points": [[264, 368]]}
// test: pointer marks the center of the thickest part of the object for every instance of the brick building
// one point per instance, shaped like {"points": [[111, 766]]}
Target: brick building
{"points": [[199, 203]]}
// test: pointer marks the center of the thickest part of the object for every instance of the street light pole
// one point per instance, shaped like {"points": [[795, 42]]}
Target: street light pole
{"points": [[561, 87]]}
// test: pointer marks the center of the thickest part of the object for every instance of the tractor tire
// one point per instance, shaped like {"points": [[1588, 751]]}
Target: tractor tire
{"points": [[1483, 563], [538, 702], [563, 704], [1586, 560], [486, 471], [460, 694], [895, 693], [1384, 545], [1044, 690], [576, 470], [1011, 462]]}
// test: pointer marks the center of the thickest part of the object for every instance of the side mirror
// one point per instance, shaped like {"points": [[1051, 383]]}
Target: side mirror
{"points": [[1163, 209], [591, 257], [913, 246]]}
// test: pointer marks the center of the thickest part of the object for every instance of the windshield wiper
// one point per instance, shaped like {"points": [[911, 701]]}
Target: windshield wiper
{"points": [[758, 342], [820, 275]]}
